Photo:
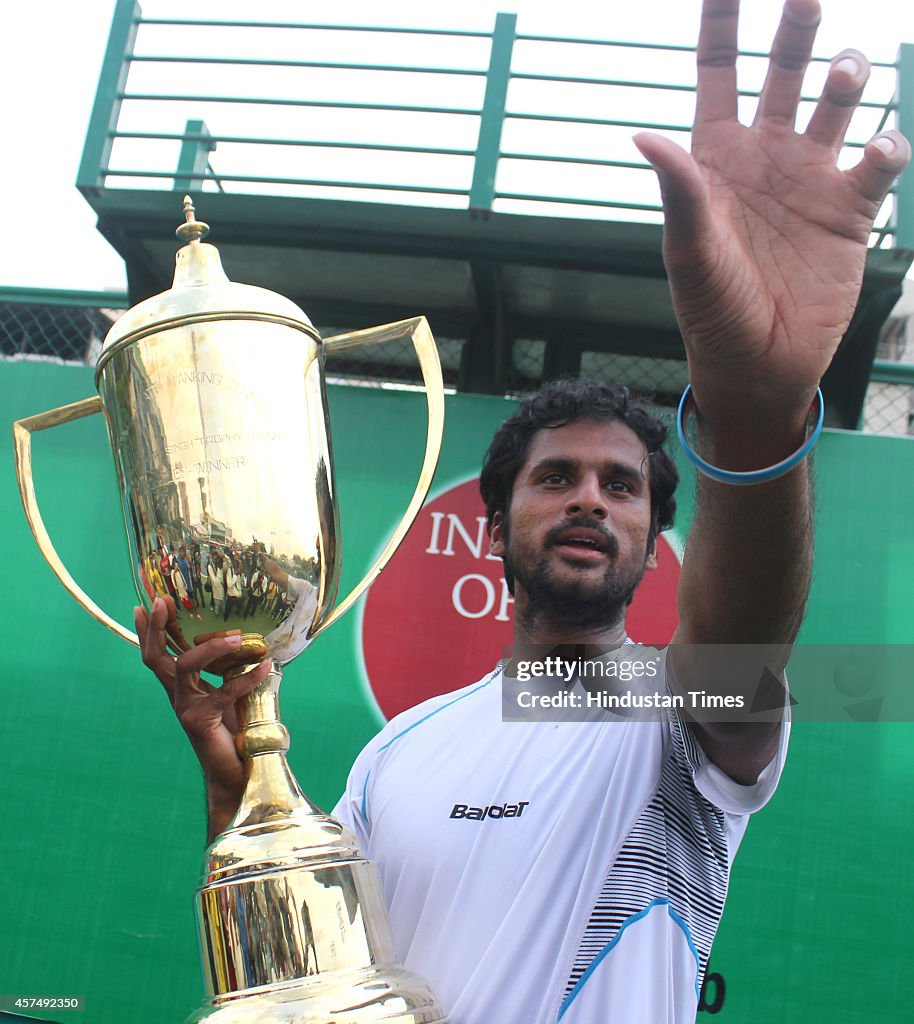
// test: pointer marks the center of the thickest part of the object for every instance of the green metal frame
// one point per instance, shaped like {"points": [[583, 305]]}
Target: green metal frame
{"points": [[481, 192], [904, 193], [62, 297], [887, 372], [108, 97], [475, 226], [492, 119], [193, 161]]}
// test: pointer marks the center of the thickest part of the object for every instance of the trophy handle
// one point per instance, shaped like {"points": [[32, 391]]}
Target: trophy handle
{"points": [[22, 435], [419, 332]]}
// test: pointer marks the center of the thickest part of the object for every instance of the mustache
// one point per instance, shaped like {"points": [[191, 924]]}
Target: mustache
{"points": [[554, 535]]}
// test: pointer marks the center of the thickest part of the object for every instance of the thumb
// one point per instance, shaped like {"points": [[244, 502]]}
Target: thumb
{"points": [[237, 686], [683, 190]]}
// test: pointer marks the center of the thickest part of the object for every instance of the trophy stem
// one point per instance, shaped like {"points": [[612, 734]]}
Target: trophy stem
{"points": [[271, 789], [292, 920]]}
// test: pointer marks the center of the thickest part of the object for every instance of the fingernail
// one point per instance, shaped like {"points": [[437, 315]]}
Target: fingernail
{"points": [[849, 64], [885, 144], [234, 641], [802, 14]]}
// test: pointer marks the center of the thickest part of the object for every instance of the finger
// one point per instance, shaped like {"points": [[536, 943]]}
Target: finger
{"points": [[141, 624], [240, 684], [884, 158], [177, 636], [140, 620], [196, 702], [213, 708], [843, 88], [201, 658], [686, 214], [171, 613], [201, 638], [790, 53], [715, 94], [150, 629]]}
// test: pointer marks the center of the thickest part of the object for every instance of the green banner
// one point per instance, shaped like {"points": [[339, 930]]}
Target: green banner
{"points": [[102, 799]]}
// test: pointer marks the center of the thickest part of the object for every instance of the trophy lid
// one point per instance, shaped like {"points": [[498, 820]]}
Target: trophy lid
{"points": [[201, 290]]}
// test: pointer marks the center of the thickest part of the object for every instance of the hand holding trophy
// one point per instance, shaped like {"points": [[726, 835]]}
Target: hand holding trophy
{"points": [[214, 397]]}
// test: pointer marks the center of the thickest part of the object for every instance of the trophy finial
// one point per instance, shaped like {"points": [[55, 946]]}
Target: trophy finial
{"points": [[192, 230]]}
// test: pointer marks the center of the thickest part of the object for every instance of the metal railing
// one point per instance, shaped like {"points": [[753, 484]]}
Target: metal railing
{"points": [[497, 120]]}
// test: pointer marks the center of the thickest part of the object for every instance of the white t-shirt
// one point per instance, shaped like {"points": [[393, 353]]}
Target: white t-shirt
{"points": [[539, 871]]}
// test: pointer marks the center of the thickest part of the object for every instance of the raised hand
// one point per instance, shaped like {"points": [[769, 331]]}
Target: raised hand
{"points": [[765, 237], [206, 712]]}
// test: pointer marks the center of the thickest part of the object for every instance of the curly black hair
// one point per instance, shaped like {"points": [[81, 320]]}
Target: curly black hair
{"points": [[558, 403]]}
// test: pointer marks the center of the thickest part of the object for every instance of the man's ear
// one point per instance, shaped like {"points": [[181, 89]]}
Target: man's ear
{"points": [[496, 536], [651, 562]]}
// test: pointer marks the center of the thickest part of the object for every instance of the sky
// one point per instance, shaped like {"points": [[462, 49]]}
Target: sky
{"points": [[51, 54]]}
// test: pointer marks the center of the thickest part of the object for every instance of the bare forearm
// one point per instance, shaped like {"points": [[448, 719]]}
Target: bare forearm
{"points": [[224, 777], [218, 819], [742, 598], [746, 572], [748, 562], [275, 571]]}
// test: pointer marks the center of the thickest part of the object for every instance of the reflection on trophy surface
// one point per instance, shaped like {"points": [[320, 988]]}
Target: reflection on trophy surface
{"points": [[215, 403], [214, 397]]}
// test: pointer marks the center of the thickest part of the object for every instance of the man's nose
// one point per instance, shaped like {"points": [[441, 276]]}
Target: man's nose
{"points": [[587, 499]]}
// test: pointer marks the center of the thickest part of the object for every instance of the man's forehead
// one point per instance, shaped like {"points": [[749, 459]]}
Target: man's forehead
{"points": [[609, 441]]}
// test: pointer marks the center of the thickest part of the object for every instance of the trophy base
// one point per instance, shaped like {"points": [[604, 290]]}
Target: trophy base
{"points": [[292, 920], [300, 936], [370, 996]]}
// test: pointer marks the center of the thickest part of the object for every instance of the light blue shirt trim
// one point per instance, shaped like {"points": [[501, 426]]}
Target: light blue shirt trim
{"points": [[418, 722], [660, 901]]}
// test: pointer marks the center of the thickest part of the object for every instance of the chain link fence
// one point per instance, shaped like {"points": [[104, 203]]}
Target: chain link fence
{"points": [[53, 332], [659, 381], [393, 363], [72, 333], [889, 408], [889, 404]]}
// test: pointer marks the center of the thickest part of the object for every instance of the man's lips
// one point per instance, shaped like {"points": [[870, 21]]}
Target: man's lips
{"points": [[583, 543]]}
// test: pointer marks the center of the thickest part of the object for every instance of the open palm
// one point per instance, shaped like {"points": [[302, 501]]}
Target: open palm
{"points": [[765, 238]]}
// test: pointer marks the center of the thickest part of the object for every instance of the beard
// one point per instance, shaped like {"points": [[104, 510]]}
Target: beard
{"points": [[585, 599]]}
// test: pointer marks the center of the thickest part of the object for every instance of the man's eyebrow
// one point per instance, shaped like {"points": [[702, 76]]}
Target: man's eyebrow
{"points": [[627, 470], [554, 462], [565, 464]]}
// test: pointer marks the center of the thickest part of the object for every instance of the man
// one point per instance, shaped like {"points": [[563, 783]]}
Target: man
{"points": [[215, 573], [183, 564], [196, 573], [257, 587], [234, 574], [598, 898]]}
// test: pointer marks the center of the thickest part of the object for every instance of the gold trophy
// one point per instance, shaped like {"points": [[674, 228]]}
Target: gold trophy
{"points": [[214, 397]]}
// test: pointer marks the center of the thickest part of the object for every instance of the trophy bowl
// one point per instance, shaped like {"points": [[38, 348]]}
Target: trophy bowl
{"points": [[214, 397]]}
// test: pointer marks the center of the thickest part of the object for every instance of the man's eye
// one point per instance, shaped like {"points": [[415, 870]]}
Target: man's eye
{"points": [[554, 478], [621, 486]]}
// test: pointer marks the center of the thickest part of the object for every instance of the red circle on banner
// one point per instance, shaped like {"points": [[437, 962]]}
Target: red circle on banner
{"points": [[440, 616]]}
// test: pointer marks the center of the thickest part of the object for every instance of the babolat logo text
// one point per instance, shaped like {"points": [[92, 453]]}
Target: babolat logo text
{"points": [[492, 811]]}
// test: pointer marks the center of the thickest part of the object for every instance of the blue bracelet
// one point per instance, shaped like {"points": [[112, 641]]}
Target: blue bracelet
{"points": [[757, 476]]}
